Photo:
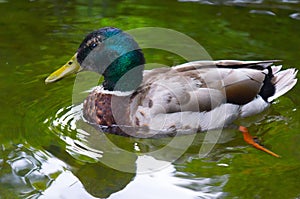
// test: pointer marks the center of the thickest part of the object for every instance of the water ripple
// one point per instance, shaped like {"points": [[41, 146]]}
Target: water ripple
{"points": [[281, 4], [263, 12], [295, 16], [29, 171]]}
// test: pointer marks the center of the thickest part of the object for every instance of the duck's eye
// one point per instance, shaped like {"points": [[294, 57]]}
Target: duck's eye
{"points": [[70, 63], [94, 45]]}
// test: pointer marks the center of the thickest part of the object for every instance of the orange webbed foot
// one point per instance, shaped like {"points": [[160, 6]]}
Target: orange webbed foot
{"points": [[253, 141]]}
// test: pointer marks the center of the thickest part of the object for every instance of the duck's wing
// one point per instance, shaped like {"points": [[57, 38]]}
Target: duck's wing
{"points": [[203, 85], [276, 81], [225, 64], [202, 91], [245, 79], [169, 103]]}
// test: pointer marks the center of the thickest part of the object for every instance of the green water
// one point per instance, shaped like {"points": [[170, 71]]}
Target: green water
{"points": [[43, 155]]}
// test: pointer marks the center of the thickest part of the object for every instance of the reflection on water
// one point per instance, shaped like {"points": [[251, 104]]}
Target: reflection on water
{"points": [[126, 169], [28, 170], [260, 3], [295, 16], [172, 183], [263, 7]]}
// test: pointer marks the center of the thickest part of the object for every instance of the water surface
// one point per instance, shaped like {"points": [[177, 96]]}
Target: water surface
{"points": [[45, 152]]}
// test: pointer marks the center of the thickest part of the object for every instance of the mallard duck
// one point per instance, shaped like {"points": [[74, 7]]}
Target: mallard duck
{"points": [[192, 97]]}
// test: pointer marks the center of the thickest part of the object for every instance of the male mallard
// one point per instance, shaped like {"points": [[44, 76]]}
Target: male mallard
{"points": [[195, 96]]}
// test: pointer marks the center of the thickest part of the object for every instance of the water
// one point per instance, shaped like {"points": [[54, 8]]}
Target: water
{"points": [[47, 152]]}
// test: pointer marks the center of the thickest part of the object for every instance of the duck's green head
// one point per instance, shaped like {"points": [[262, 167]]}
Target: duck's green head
{"points": [[110, 52]]}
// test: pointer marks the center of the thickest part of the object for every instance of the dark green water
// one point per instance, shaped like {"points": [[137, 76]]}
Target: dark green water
{"points": [[43, 155]]}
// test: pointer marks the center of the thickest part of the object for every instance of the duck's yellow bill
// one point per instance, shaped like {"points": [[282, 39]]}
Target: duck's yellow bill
{"points": [[71, 67]]}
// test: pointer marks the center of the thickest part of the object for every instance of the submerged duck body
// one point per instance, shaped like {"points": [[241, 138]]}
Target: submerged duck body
{"points": [[192, 97]]}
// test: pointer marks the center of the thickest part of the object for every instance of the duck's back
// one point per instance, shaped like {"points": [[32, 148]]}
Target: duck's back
{"points": [[206, 95]]}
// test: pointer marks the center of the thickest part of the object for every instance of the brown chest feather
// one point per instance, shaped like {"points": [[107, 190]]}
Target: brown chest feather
{"points": [[97, 109], [106, 109]]}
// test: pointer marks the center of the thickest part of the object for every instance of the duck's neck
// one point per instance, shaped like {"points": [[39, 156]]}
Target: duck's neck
{"points": [[125, 73]]}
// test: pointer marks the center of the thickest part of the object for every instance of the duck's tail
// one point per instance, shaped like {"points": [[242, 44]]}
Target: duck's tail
{"points": [[276, 84], [283, 81]]}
